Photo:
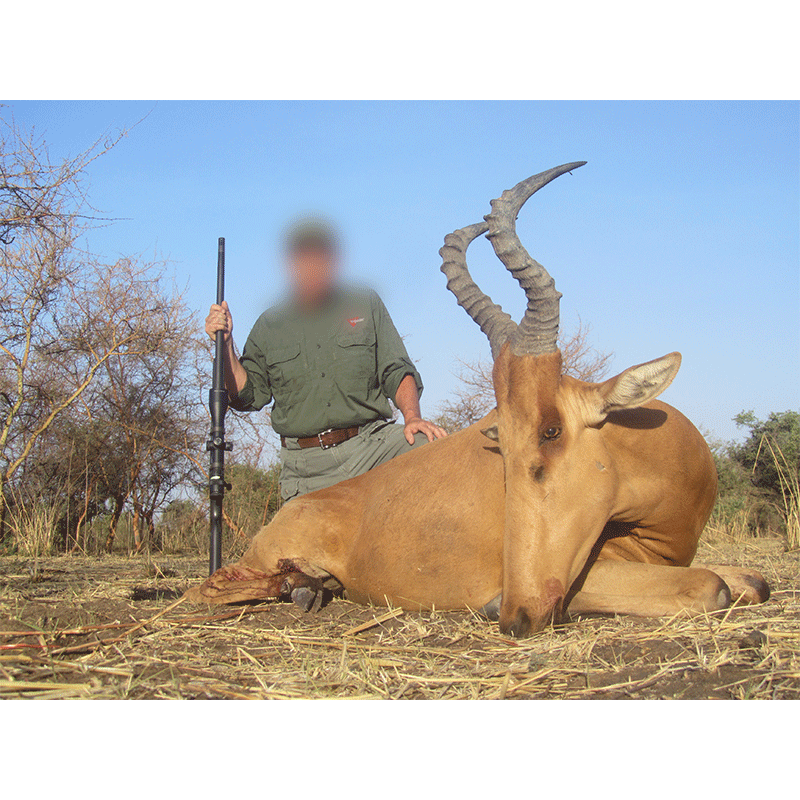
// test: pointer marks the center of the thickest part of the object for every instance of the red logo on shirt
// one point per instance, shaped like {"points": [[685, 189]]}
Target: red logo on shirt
{"points": [[355, 320]]}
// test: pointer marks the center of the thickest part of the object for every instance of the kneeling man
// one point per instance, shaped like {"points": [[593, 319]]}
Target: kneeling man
{"points": [[330, 358]]}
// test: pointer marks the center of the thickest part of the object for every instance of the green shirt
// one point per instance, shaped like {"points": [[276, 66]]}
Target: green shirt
{"points": [[331, 368]]}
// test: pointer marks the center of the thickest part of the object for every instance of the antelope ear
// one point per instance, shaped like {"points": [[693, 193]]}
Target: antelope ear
{"points": [[491, 433], [638, 385]]}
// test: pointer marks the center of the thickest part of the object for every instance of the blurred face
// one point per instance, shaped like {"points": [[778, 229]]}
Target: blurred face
{"points": [[313, 273]]}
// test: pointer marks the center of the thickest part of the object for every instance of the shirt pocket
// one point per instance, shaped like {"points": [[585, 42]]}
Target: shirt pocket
{"points": [[285, 367], [355, 353]]}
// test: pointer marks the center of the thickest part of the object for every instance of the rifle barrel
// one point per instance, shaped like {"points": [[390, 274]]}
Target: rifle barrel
{"points": [[216, 445]]}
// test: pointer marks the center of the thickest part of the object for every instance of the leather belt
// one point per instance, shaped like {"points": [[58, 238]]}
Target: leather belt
{"points": [[326, 439]]}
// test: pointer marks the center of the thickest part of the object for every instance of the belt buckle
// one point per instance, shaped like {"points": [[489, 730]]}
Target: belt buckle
{"points": [[322, 445]]}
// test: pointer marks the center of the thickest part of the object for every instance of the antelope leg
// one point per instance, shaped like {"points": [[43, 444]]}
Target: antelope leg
{"points": [[649, 590]]}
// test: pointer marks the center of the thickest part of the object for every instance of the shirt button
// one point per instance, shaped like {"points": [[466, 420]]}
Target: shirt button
{"points": [[329, 405], [318, 346], [323, 374]]}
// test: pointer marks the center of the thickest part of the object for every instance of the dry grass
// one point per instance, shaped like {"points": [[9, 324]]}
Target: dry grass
{"points": [[33, 528], [734, 527], [789, 480], [114, 628]]}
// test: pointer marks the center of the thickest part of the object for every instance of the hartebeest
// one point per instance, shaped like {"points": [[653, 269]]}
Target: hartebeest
{"points": [[584, 497]]}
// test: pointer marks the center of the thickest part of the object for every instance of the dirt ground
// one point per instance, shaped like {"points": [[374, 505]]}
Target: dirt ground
{"points": [[114, 627]]}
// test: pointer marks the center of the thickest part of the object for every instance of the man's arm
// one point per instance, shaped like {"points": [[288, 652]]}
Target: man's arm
{"points": [[219, 319], [395, 365], [407, 400]]}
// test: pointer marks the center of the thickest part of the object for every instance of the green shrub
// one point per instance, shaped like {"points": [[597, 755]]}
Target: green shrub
{"points": [[758, 478]]}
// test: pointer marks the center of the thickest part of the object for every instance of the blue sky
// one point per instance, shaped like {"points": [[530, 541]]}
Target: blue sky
{"points": [[680, 233]]}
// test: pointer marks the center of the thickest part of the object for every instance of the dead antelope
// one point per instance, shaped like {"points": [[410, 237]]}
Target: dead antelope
{"points": [[585, 497]]}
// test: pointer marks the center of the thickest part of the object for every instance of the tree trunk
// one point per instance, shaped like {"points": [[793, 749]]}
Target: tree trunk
{"points": [[3, 511], [137, 534], [81, 521], [152, 539], [112, 527]]}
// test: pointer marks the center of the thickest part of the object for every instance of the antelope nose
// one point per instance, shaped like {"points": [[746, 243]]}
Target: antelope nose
{"points": [[521, 626], [524, 624]]}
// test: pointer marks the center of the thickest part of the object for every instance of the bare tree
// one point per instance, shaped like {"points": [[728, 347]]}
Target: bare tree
{"points": [[63, 314], [150, 403], [54, 343], [474, 398], [40, 200], [580, 359]]}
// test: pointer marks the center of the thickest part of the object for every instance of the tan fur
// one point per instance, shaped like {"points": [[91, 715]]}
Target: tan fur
{"points": [[571, 495], [635, 484], [455, 523]]}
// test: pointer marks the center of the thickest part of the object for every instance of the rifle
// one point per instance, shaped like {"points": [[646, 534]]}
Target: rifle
{"points": [[218, 406]]}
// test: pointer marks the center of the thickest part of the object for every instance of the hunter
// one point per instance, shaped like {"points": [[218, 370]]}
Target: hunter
{"points": [[331, 359]]}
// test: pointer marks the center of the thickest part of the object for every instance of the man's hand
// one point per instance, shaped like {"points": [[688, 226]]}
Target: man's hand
{"points": [[407, 400], [417, 425], [219, 319]]}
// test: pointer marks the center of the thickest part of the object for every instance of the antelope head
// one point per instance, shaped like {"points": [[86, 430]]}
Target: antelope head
{"points": [[561, 483]]}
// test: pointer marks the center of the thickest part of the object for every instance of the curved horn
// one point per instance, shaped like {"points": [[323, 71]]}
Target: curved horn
{"points": [[492, 320], [538, 332]]}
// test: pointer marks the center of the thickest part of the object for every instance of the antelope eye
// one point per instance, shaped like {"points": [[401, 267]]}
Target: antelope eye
{"points": [[551, 433]]}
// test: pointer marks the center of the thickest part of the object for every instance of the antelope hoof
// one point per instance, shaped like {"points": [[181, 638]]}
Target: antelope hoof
{"points": [[755, 589], [747, 586], [492, 609], [306, 598]]}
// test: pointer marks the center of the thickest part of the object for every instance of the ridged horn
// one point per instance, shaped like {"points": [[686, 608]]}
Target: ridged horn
{"points": [[538, 332], [492, 320]]}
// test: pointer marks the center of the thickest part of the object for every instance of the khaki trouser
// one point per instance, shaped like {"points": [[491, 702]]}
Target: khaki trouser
{"points": [[304, 471]]}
